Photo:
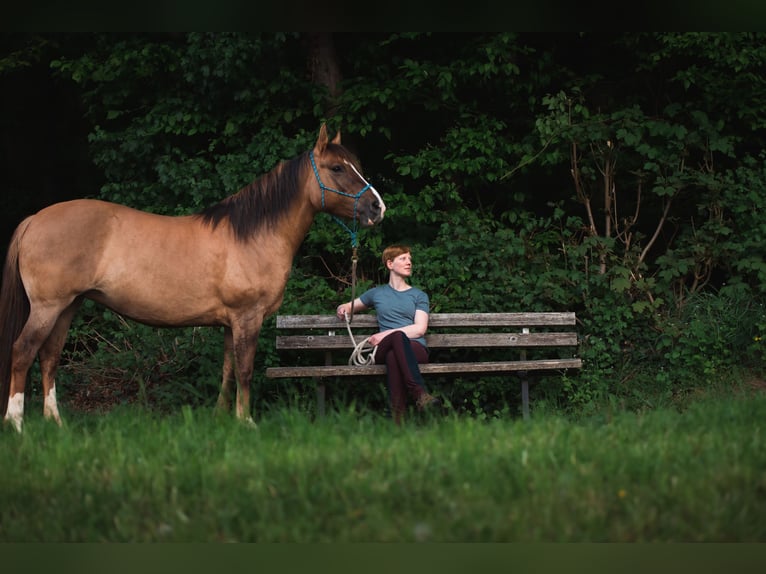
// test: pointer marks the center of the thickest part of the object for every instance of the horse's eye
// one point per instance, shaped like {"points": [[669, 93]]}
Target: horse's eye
{"points": [[337, 168]]}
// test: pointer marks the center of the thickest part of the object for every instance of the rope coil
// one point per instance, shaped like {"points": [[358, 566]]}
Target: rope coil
{"points": [[363, 353]]}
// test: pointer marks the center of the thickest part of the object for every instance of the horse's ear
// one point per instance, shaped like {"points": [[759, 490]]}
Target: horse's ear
{"points": [[336, 139], [322, 139]]}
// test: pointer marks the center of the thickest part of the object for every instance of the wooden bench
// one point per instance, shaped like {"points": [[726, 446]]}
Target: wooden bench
{"points": [[540, 341]]}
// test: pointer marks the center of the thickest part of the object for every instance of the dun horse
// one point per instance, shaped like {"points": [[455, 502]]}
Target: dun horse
{"points": [[226, 266]]}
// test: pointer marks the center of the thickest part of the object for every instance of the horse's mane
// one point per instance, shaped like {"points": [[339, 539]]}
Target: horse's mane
{"points": [[261, 203]]}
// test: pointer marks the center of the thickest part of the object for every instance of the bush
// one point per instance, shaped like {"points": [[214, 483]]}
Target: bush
{"points": [[714, 331]]}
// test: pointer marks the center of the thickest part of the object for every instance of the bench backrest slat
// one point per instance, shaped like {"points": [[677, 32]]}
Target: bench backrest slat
{"points": [[435, 320]]}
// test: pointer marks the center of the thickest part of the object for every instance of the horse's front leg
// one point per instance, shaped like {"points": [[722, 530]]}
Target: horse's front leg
{"points": [[229, 379], [245, 344]]}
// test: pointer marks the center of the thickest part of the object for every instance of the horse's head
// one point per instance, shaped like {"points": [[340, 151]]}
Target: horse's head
{"points": [[344, 191]]}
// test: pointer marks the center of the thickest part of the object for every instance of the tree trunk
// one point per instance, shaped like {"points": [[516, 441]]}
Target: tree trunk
{"points": [[324, 67]]}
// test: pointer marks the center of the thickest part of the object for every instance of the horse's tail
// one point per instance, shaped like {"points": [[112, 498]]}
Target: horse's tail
{"points": [[14, 311]]}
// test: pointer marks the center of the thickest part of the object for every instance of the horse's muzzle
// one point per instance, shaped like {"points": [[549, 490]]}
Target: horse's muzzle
{"points": [[374, 209]]}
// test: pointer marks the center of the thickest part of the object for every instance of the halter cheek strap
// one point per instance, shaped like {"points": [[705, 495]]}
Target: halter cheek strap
{"points": [[356, 197]]}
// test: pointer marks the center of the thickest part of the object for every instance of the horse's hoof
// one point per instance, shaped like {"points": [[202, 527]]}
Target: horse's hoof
{"points": [[14, 423]]}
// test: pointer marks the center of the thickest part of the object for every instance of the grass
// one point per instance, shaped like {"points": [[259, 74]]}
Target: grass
{"points": [[133, 476]]}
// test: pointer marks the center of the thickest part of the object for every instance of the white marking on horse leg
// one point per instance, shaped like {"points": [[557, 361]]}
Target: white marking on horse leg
{"points": [[242, 413], [15, 412], [50, 406]]}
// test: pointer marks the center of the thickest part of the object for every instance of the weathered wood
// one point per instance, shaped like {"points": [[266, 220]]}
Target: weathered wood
{"points": [[497, 367], [435, 320], [498, 330], [435, 341]]}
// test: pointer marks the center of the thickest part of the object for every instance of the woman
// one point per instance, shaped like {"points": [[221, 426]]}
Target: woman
{"points": [[402, 312]]}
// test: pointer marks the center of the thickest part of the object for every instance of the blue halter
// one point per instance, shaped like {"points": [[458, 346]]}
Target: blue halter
{"points": [[323, 187]]}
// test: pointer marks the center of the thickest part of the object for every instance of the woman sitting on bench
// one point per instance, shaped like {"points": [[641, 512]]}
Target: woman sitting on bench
{"points": [[402, 313]]}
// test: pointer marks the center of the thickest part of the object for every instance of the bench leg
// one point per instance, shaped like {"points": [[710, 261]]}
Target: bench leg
{"points": [[525, 398], [320, 389], [524, 382]]}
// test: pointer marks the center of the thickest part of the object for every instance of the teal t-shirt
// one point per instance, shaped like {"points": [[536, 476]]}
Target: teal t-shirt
{"points": [[396, 309]]}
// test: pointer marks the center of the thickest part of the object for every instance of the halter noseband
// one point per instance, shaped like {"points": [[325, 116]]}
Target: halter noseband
{"points": [[356, 197]]}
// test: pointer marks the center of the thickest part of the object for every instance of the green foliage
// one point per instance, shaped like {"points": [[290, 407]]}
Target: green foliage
{"points": [[618, 176], [715, 333], [156, 104]]}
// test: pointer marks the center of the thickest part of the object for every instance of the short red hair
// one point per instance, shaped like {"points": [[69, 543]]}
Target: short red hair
{"points": [[393, 251]]}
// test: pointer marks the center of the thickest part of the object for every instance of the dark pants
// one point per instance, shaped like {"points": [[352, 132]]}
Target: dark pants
{"points": [[401, 357]]}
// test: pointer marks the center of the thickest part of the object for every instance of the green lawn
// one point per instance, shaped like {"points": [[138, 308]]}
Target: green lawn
{"points": [[131, 476]]}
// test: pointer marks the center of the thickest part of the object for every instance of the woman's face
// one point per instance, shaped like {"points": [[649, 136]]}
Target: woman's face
{"points": [[401, 265]]}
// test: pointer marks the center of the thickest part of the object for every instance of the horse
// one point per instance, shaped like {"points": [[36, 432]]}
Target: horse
{"points": [[226, 266]]}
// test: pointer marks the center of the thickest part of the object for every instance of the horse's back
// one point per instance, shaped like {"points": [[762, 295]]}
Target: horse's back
{"points": [[157, 269], [100, 225], [92, 215], [76, 246], [69, 233], [79, 221]]}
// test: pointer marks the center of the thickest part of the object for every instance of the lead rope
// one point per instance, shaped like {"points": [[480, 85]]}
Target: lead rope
{"points": [[354, 259], [363, 353]]}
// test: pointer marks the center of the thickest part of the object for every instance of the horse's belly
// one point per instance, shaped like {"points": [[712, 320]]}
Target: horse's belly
{"points": [[162, 309]]}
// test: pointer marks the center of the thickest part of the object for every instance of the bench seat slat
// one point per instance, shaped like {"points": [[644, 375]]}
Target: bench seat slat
{"points": [[437, 320], [432, 368], [435, 341]]}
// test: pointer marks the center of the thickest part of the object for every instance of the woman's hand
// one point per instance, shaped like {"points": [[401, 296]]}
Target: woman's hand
{"points": [[343, 310], [376, 338]]}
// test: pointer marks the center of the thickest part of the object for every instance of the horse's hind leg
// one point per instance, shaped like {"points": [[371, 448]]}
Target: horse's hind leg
{"points": [[229, 380], [32, 337], [22, 355], [50, 356]]}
